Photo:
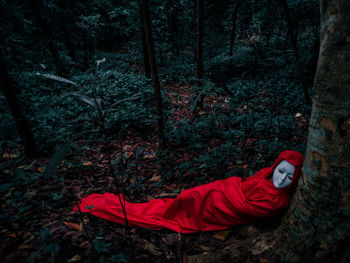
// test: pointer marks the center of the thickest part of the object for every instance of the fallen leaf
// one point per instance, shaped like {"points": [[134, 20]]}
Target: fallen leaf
{"points": [[73, 225], [32, 193], [74, 259], [23, 246], [10, 155], [127, 147], [11, 235], [222, 235], [264, 260], [162, 195], [155, 251], [27, 166], [84, 244], [170, 239], [156, 178], [149, 155], [87, 164], [205, 248]]}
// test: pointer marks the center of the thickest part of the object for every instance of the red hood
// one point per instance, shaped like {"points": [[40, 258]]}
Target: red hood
{"points": [[294, 158]]}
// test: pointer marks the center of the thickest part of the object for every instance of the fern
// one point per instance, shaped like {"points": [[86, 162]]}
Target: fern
{"points": [[54, 77]]}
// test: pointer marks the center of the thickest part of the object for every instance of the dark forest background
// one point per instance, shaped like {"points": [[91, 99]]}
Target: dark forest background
{"points": [[80, 113]]}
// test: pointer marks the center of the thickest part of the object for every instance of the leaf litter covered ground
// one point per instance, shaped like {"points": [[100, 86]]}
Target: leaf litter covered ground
{"points": [[37, 223]]}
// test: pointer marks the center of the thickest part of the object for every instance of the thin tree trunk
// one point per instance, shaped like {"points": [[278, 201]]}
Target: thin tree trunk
{"points": [[153, 66], [22, 123], [199, 41], [87, 50], [199, 52], [278, 44], [69, 43], [146, 64], [233, 33], [174, 37], [67, 39], [296, 54]]}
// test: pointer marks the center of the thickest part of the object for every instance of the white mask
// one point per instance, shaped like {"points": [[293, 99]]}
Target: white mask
{"points": [[283, 174]]}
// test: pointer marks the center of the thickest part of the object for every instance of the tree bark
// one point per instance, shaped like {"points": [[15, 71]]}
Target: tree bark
{"points": [[318, 223], [22, 123], [296, 53], [233, 32], [199, 52], [146, 64], [153, 66]]}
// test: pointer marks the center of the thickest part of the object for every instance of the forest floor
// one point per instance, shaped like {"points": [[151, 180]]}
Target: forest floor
{"points": [[37, 222]]}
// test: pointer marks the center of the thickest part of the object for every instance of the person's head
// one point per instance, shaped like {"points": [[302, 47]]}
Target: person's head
{"points": [[290, 162], [283, 174]]}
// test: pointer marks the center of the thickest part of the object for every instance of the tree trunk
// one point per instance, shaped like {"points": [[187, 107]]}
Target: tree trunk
{"points": [[199, 53], [296, 54], [67, 39], [14, 105], [87, 53], [146, 64], [199, 41], [233, 32], [153, 66], [173, 21], [318, 222]]}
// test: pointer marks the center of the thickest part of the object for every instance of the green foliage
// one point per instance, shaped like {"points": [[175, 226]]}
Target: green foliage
{"points": [[120, 257], [56, 197], [100, 246], [49, 247]]}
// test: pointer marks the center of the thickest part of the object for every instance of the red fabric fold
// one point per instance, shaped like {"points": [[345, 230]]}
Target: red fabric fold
{"points": [[214, 206]]}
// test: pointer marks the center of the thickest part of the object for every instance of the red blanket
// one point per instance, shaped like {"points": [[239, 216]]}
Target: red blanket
{"points": [[214, 206]]}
